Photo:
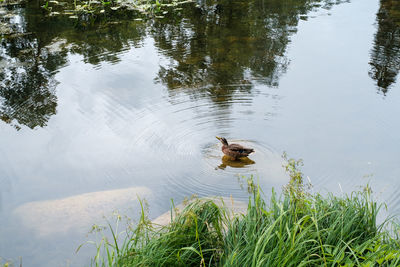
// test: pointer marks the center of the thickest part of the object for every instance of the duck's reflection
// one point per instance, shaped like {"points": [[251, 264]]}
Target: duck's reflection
{"points": [[238, 163]]}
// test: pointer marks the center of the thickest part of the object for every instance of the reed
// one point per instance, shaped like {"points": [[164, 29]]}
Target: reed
{"points": [[313, 231], [295, 228]]}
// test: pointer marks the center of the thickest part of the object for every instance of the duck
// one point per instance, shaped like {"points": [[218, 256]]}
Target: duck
{"points": [[234, 151]]}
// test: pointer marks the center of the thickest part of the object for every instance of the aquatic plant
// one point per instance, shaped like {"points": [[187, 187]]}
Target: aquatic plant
{"points": [[84, 9], [6, 263], [294, 229]]}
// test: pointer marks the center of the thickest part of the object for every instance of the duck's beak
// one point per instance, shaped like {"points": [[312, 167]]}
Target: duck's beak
{"points": [[219, 138]]}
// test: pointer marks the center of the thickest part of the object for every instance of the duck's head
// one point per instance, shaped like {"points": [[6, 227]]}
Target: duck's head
{"points": [[222, 140]]}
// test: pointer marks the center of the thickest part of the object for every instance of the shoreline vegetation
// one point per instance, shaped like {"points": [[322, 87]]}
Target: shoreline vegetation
{"points": [[86, 13], [87, 9], [296, 228]]}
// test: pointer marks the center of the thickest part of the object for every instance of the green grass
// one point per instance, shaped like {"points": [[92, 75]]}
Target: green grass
{"points": [[313, 231], [294, 229]]}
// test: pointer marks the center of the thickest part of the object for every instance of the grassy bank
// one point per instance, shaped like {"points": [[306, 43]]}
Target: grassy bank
{"points": [[294, 229]]}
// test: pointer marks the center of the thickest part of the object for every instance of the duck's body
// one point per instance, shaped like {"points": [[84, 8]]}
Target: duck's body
{"points": [[234, 151]]}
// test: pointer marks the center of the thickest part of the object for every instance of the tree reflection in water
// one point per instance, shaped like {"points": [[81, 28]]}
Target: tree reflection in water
{"points": [[222, 47], [27, 87], [30, 58], [214, 48], [385, 55]]}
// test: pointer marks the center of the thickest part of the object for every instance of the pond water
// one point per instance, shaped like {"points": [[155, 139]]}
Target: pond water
{"points": [[95, 116]]}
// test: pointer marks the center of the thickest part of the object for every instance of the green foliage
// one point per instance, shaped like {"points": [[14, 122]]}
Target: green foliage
{"points": [[294, 229], [295, 187], [46, 6], [328, 231], [82, 9], [193, 238], [6, 263]]}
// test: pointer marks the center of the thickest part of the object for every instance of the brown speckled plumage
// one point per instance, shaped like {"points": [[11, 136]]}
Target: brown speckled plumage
{"points": [[234, 151]]}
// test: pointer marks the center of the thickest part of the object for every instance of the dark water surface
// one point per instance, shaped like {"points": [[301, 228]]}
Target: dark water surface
{"points": [[93, 117]]}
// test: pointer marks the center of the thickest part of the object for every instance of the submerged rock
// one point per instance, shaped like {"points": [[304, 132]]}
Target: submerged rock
{"points": [[74, 213], [234, 208]]}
